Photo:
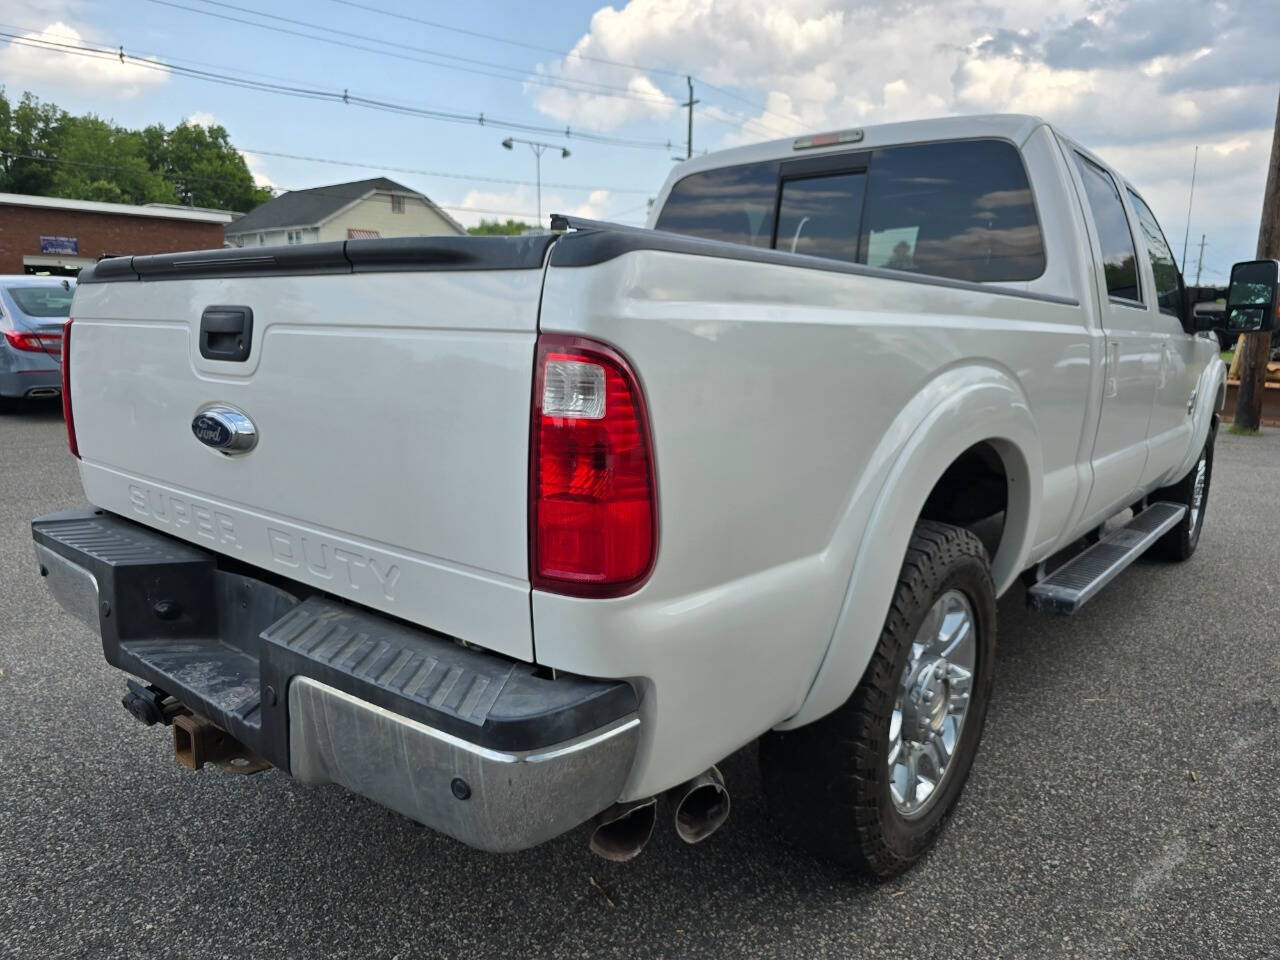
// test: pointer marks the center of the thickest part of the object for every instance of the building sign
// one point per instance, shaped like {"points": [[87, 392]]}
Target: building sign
{"points": [[67, 246]]}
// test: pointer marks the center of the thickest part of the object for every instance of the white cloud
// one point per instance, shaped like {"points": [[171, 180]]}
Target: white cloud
{"points": [[201, 118], [43, 68], [605, 112], [1021, 87], [727, 40], [1228, 147], [254, 163], [1141, 81]]}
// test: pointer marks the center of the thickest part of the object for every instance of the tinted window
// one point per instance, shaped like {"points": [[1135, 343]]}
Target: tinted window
{"points": [[961, 210], [1165, 268], [1119, 262], [819, 216], [43, 301], [734, 204]]}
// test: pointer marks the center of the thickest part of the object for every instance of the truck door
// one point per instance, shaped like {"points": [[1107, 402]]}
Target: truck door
{"points": [[1132, 361], [1170, 431]]}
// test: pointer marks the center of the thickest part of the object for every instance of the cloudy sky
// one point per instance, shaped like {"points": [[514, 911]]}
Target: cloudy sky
{"points": [[1140, 81]]}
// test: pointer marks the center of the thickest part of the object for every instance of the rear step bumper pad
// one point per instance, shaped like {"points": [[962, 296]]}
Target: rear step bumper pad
{"points": [[469, 743]]}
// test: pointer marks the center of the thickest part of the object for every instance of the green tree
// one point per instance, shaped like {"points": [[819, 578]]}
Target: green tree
{"points": [[47, 152], [203, 165], [100, 161], [497, 228], [24, 141]]}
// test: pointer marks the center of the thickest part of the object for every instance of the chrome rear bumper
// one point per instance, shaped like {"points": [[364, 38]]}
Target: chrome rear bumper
{"points": [[477, 746], [495, 800]]}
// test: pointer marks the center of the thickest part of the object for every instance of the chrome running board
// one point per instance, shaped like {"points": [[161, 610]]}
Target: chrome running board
{"points": [[1078, 580]]}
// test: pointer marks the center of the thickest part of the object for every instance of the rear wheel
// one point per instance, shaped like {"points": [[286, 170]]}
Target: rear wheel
{"points": [[870, 785], [1192, 491]]}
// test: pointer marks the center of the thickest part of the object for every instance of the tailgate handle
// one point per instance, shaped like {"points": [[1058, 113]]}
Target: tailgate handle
{"points": [[226, 333]]}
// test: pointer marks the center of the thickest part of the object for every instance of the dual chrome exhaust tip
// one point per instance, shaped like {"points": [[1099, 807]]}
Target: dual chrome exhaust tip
{"points": [[701, 808]]}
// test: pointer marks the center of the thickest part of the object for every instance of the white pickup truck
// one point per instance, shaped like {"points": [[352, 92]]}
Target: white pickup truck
{"points": [[510, 534]]}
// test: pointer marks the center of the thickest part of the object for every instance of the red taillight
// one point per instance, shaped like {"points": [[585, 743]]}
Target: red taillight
{"points": [[66, 390], [32, 342], [593, 514]]}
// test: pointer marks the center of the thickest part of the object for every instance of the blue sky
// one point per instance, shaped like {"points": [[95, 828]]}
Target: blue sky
{"points": [[1141, 81]]}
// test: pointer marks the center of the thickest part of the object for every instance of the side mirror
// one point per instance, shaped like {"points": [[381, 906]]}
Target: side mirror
{"points": [[1200, 321], [1251, 298]]}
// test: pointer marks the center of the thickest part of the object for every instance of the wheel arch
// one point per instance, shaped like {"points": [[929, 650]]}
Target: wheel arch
{"points": [[963, 408], [1210, 398]]}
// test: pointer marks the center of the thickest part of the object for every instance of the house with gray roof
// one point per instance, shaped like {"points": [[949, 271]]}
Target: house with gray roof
{"points": [[342, 211]]}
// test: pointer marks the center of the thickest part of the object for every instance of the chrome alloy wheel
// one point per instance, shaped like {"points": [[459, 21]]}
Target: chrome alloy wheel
{"points": [[1197, 491], [932, 700]]}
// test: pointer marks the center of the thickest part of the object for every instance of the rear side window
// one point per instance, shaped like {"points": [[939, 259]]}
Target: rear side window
{"points": [[961, 209], [1165, 268], [1119, 261], [44, 302], [818, 216], [734, 204]]}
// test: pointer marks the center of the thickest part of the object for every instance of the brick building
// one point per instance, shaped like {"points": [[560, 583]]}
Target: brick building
{"points": [[53, 235]]}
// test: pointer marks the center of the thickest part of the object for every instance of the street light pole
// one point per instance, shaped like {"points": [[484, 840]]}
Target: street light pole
{"points": [[538, 148]]}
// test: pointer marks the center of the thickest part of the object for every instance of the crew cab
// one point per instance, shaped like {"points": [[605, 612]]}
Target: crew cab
{"points": [[510, 534]]}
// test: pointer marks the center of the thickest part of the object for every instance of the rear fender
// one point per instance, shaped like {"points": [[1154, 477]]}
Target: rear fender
{"points": [[962, 406]]}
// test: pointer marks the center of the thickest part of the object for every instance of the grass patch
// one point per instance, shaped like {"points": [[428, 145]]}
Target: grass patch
{"points": [[1236, 431], [1228, 356]]}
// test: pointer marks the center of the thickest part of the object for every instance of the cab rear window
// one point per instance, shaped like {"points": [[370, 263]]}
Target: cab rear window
{"points": [[733, 204], [959, 209]]}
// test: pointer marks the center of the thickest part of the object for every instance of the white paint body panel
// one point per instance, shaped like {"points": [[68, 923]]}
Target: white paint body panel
{"points": [[393, 412], [800, 418]]}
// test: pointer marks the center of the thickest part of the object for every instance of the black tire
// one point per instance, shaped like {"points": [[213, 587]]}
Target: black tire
{"points": [[1180, 542], [827, 784]]}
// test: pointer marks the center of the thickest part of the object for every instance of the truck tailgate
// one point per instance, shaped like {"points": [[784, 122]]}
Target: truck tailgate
{"points": [[391, 401]]}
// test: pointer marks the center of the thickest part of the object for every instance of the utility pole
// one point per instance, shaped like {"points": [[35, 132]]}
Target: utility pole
{"points": [[689, 103], [1190, 199], [1257, 346], [1200, 262]]}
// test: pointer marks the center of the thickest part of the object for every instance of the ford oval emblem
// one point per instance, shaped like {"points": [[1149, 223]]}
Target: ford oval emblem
{"points": [[224, 428]]}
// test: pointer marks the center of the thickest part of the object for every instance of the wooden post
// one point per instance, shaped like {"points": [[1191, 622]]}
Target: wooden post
{"points": [[1237, 358], [1257, 346]]}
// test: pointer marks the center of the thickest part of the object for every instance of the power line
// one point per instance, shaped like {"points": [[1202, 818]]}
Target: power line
{"points": [[314, 191], [331, 96], [520, 76], [515, 43], [435, 173], [748, 124], [630, 210], [468, 178], [758, 106], [568, 55], [590, 88]]}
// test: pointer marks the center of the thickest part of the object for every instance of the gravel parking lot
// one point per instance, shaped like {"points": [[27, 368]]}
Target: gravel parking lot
{"points": [[1123, 802]]}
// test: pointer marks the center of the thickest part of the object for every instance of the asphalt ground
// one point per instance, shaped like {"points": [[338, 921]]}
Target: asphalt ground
{"points": [[1123, 803]]}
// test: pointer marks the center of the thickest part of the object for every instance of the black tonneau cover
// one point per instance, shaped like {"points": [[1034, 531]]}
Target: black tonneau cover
{"points": [[343, 256]]}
